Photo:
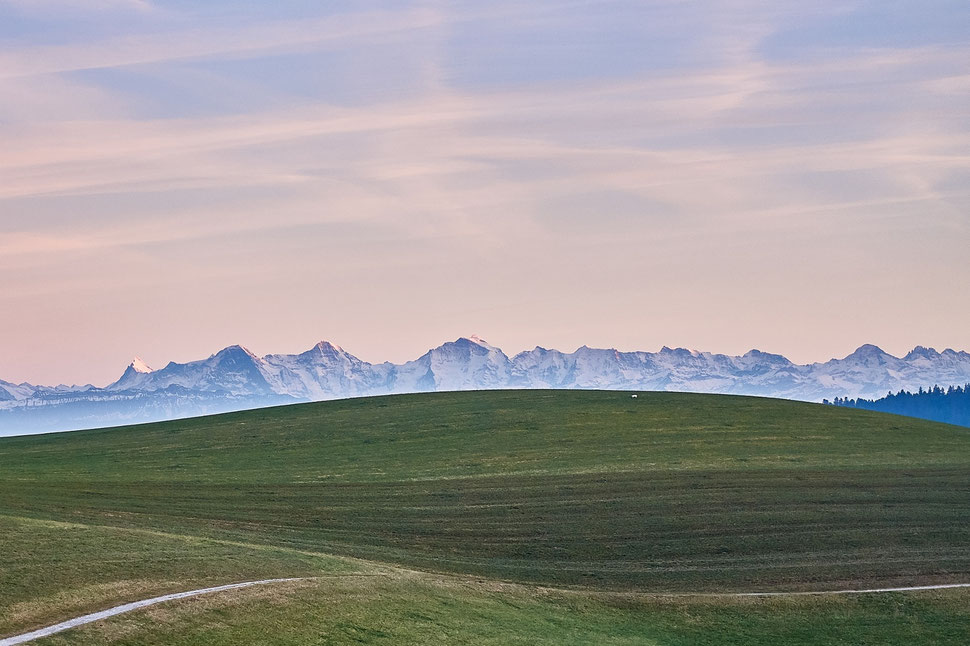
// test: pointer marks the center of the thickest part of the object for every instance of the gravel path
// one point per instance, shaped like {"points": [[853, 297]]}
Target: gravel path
{"points": [[128, 607]]}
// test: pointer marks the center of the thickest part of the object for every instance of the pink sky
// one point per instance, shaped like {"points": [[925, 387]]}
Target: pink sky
{"points": [[392, 178]]}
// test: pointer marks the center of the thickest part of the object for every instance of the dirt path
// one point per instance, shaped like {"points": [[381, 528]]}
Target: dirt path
{"points": [[128, 607], [912, 588], [136, 605]]}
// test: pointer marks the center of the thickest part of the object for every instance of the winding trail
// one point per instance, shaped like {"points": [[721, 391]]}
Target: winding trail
{"points": [[136, 605], [912, 588], [128, 607]]}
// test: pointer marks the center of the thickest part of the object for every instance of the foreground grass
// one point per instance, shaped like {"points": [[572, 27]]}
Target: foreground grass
{"points": [[418, 609], [53, 571], [590, 490]]}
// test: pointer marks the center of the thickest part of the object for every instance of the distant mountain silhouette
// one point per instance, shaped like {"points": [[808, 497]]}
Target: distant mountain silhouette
{"points": [[235, 378]]}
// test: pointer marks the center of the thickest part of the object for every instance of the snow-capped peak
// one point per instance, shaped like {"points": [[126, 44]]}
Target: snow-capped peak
{"points": [[474, 338], [135, 375], [921, 352], [235, 351], [867, 350], [327, 345]]}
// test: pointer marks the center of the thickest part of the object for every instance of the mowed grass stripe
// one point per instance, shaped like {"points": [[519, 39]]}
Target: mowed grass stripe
{"points": [[782, 531]]}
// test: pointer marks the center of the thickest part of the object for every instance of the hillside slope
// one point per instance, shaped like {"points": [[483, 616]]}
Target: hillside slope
{"points": [[588, 490], [663, 492]]}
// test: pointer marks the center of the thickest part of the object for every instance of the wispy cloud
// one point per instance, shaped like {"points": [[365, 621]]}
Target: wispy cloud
{"points": [[45, 7], [184, 44], [709, 163], [634, 136]]}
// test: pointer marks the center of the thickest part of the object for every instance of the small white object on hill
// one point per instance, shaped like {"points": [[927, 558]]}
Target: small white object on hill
{"points": [[633, 396]]}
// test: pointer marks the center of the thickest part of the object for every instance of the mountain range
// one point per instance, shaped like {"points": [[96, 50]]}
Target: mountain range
{"points": [[234, 378]]}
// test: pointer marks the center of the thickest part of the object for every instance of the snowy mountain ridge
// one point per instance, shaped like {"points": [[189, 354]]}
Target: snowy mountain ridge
{"points": [[235, 378]]}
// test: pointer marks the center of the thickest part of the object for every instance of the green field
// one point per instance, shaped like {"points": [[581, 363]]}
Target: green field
{"points": [[495, 517]]}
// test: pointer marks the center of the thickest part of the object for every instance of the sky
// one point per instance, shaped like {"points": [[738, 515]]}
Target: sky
{"points": [[178, 176]]}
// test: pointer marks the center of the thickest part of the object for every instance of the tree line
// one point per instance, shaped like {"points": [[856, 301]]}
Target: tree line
{"points": [[950, 405]]}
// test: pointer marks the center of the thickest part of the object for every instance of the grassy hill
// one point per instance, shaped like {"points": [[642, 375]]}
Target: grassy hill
{"points": [[590, 491]]}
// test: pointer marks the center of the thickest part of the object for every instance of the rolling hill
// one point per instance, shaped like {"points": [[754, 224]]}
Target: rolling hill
{"points": [[474, 503]]}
